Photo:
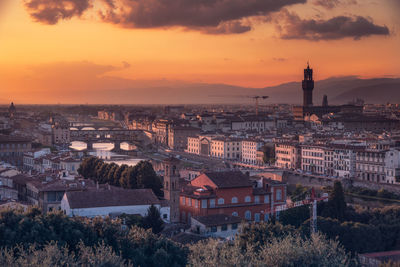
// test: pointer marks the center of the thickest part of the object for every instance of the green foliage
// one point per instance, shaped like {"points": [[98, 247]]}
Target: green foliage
{"points": [[299, 193], [354, 236], [131, 220], [336, 206], [291, 250], [153, 220], [259, 234], [34, 230], [54, 255], [141, 175], [381, 193], [295, 216]]}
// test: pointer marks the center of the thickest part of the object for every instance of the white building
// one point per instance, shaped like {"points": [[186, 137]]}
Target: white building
{"points": [[217, 225], [253, 123], [61, 134], [106, 202], [249, 150], [312, 159], [340, 160], [392, 166], [226, 148], [287, 155], [193, 145], [29, 159], [370, 165]]}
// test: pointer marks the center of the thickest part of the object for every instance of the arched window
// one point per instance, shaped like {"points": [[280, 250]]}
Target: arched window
{"points": [[235, 213], [247, 199], [221, 201], [234, 200], [247, 215]]}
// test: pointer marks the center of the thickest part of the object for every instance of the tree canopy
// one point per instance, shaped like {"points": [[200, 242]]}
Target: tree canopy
{"points": [[142, 175]]}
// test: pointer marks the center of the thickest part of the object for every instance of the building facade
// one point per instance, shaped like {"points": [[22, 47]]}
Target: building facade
{"points": [[249, 151], [231, 193], [287, 156]]}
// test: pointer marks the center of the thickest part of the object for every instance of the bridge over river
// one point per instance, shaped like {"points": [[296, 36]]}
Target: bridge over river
{"points": [[106, 135]]}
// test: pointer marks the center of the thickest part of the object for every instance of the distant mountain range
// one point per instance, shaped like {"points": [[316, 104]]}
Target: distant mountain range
{"points": [[114, 90], [340, 90]]}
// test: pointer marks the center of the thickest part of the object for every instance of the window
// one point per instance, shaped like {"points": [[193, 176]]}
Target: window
{"points": [[279, 194], [257, 199], [196, 203], [234, 226], [247, 199], [247, 215], [224, 227], [165, 216], [51, 196], [266, 199], [234, 200], [221, 201], [234, 213], [204, 203], [257, 217], [183, 200], [212, 203], [213, 229], [266, 217]]}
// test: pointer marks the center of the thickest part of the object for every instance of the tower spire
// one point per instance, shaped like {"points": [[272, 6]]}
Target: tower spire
{"points": [[308, 86]]}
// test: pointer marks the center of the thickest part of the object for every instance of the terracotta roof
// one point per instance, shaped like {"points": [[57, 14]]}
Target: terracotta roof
{"points": [[110, 198], [229, 179], [218, 219]]}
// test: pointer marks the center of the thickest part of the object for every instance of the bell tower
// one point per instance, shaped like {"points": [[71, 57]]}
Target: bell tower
{"points": [[308, 87], [171, 186]]}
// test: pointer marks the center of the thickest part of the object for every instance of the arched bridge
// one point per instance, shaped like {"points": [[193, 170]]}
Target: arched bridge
{"points": [[104, 135]]}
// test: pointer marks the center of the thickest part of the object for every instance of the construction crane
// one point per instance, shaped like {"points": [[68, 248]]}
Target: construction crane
{"points": [[256, 98], [310, 200]]}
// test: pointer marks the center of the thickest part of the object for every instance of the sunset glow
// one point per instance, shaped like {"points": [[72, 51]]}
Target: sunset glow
{"points": [[41, 59]]}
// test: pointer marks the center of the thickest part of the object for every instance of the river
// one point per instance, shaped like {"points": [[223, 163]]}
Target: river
{"points": [[103, 151]]}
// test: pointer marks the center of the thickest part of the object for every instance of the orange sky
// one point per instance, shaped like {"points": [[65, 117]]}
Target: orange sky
{"points": [[36, 57]]}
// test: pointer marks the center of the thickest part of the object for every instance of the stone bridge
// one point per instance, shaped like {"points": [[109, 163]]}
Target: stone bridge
{"points": [[104, 135]]}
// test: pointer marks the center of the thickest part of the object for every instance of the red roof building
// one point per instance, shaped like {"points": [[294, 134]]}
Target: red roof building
{"points": [[231, 193]]}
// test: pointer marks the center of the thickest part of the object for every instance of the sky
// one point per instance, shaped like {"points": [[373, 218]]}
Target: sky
{"points": [[66, 51]]}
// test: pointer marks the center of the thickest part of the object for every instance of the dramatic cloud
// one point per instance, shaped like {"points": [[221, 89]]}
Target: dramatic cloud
{"points": [[189, 13], [329, 4], [292, 26], [52, 11], [229, 27]]}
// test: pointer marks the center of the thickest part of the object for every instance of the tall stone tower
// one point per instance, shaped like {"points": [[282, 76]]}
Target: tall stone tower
{"points": [[171, 186], [308, 87]]}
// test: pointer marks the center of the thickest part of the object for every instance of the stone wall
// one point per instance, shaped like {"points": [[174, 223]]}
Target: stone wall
{"points": [[318, 182]]}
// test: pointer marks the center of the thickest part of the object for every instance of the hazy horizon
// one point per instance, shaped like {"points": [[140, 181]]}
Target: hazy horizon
{"points": [[88, 48]]}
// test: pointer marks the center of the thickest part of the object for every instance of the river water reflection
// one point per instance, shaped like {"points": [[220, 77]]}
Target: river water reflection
{"points": [[103, 151]]}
